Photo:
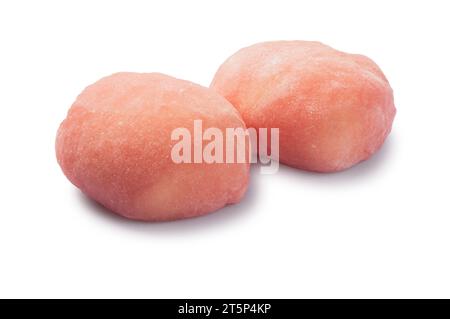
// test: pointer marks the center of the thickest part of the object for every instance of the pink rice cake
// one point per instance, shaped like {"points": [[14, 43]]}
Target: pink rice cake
{"points": [[115, 145], [333, 109]]}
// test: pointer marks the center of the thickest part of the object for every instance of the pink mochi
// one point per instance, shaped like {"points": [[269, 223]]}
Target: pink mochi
{"points": [[333, 109], [115, 145]]}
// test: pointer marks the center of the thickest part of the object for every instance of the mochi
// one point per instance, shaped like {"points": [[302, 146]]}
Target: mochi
{"points": [[116, 143], [333, 109]]}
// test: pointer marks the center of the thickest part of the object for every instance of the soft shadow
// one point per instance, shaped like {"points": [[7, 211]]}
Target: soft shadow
{"points": [[233, 213], [219, 218], [363, 170]]}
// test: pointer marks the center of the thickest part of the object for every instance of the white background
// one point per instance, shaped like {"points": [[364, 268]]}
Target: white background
{"points": [[380, 229]]}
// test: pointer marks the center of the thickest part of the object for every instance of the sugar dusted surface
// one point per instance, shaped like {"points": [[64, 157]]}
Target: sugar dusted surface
{"points": [[115, 145], [333, 109]]}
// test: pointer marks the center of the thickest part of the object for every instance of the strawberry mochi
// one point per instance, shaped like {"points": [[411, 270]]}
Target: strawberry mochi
{"points": [[115, 145], [333, 109]]}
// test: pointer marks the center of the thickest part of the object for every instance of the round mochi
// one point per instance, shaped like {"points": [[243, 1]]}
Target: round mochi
{"points": [[116, 145], [333, 109]]}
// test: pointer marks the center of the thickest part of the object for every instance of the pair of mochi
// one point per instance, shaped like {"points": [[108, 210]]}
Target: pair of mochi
{"points": [[332, 109]]}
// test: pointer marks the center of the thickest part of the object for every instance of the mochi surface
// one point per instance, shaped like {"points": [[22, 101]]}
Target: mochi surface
{"points": [[333, 109], [115, 145]]}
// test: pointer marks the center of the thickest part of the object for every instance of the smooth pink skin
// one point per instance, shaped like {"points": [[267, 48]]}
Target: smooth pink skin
{"points": [[115, 145], [333, 109]]}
